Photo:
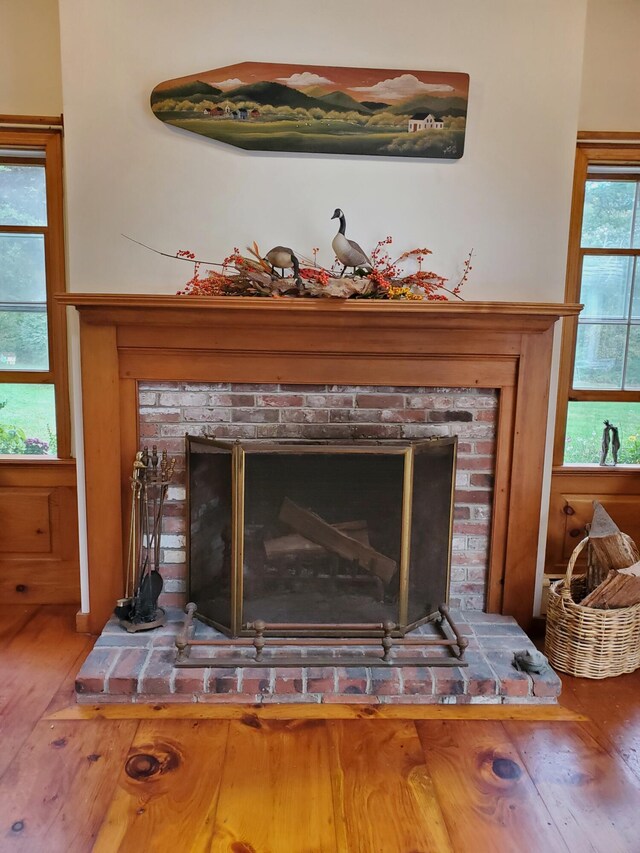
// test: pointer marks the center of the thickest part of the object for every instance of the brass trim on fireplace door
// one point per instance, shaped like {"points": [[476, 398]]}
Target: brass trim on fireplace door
{"points": [[237, 524], [405, 539]]}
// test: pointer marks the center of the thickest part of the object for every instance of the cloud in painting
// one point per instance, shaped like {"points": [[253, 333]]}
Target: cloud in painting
{"points": [[231, 83], [306, 78], [404, 86]]}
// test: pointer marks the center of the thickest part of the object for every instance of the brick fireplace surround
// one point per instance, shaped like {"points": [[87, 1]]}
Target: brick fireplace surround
{"points": [[156, 367]]}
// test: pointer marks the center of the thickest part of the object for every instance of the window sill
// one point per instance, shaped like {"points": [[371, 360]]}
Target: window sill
{"points": [[592, 469]]}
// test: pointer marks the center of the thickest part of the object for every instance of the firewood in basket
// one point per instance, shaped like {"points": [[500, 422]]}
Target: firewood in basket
{"points": [[312, 527], [609, 547], [619, 589]]}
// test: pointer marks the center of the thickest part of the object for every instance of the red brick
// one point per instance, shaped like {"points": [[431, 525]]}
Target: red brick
{"points": [[377, 431], [288, 680], [173, 599], [189, 681], [385, 682], [148, 430], [449, 416], [254, 416], [123, 678], [279, 401], [472, 528], [222, 680], [405, 416], [256, 680], [486, 447], [207, 415], [482, 480], [546, 684], [304, 416], [472, 497], [417, 680], [448, 681], [461, 512], [157, 673], [330, 401], [161, 416], [380, 401], [95, 669], [487, 416], [225, 400], [355, 416], [352, 679], [321, 679], [474, 463]]}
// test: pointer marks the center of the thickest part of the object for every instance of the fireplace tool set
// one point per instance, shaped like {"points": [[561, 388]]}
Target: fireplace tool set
{"points": [[138, 610]]}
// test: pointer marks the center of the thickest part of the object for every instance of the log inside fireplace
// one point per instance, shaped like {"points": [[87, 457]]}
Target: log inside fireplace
{"points": [[319, 534]]}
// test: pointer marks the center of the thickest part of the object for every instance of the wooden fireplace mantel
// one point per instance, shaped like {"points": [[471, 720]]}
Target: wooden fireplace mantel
{"points": [[130, 338]]}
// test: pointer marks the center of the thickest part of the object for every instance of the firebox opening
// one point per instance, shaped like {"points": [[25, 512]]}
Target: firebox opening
{"points": [[319, 535]]}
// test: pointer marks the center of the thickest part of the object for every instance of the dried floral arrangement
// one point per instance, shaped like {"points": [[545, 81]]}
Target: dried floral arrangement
{"points": [[404, 278]]}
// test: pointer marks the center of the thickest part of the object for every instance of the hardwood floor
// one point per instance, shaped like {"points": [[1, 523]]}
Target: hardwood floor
{"points": [[340, 779]]}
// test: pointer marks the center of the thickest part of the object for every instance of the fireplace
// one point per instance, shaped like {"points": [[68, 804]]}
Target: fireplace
{"points": [[145, 356], [316, 536]]}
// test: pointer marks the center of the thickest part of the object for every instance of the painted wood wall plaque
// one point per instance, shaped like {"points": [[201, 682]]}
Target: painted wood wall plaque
{"points": [[321, 109]]}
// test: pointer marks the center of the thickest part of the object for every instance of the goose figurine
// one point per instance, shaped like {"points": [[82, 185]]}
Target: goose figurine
{"points": [[348, 252], [284, 259]]}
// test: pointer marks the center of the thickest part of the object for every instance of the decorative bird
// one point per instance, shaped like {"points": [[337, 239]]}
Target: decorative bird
{"points": [[284, 259], [348, 252]]}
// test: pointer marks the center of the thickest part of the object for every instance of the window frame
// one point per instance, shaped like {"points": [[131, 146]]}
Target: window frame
{"points": [[49, 141], [589, 152]]}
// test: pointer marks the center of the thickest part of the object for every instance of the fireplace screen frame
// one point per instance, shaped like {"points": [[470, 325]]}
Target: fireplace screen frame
{"points": [[239, 449]]}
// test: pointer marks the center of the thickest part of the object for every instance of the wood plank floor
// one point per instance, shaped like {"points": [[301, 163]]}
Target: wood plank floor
{"points": [[335, 779]]}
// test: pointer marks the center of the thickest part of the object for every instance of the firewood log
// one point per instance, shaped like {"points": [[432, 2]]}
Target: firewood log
{"points": [[609, 547], [311, 526], [616, 590], [294, 544]]}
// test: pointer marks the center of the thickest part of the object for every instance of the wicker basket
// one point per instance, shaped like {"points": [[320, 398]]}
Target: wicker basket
{"points": [[586, 641]]}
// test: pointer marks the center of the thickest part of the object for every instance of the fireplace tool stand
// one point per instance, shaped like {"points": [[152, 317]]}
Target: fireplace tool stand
{"points": [[138, 610], [451, 641]]}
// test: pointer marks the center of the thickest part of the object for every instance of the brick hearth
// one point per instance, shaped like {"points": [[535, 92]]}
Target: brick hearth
{"points": [[135, 668], [169, 410]]}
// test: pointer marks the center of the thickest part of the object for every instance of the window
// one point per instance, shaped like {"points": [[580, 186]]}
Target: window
{"points": [[33, 384], [600, 375]]}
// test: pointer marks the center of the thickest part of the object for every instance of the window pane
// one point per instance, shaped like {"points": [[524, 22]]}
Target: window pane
{"points": [[608, 214], [606, 286], [27, 419], [599, 355], [22, 270], [23, 198], [23, 340], [585, 423], [632, 372]]}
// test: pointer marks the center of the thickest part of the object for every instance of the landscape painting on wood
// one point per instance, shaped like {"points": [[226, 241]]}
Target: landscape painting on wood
{"points": [[321, 109]]}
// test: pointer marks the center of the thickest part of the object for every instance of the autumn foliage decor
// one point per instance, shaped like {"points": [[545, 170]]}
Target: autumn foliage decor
{"points": [[405, 278]]}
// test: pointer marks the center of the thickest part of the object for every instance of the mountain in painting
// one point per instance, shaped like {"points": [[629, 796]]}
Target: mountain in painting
{"points": [[186, 90], [341, 99], [375, 105], [429, 103], [278, 95]]}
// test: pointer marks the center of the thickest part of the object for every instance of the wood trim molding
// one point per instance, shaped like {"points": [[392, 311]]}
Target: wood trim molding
{"points": [[608, 135], [131, 338], [34, 121]]}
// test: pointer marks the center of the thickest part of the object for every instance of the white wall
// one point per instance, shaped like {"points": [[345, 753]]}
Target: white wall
{"points": [[611, 77], [30, 82], [508, 198]]}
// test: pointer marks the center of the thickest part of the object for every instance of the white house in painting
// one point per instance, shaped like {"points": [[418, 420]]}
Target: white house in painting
{"points": [[425, 121]]}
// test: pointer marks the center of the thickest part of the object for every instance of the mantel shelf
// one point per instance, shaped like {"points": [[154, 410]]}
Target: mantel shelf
{"points": [[285, 305]]}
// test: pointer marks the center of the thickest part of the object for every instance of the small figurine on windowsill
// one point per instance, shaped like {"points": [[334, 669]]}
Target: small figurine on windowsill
{"points": [[611, 437]]}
